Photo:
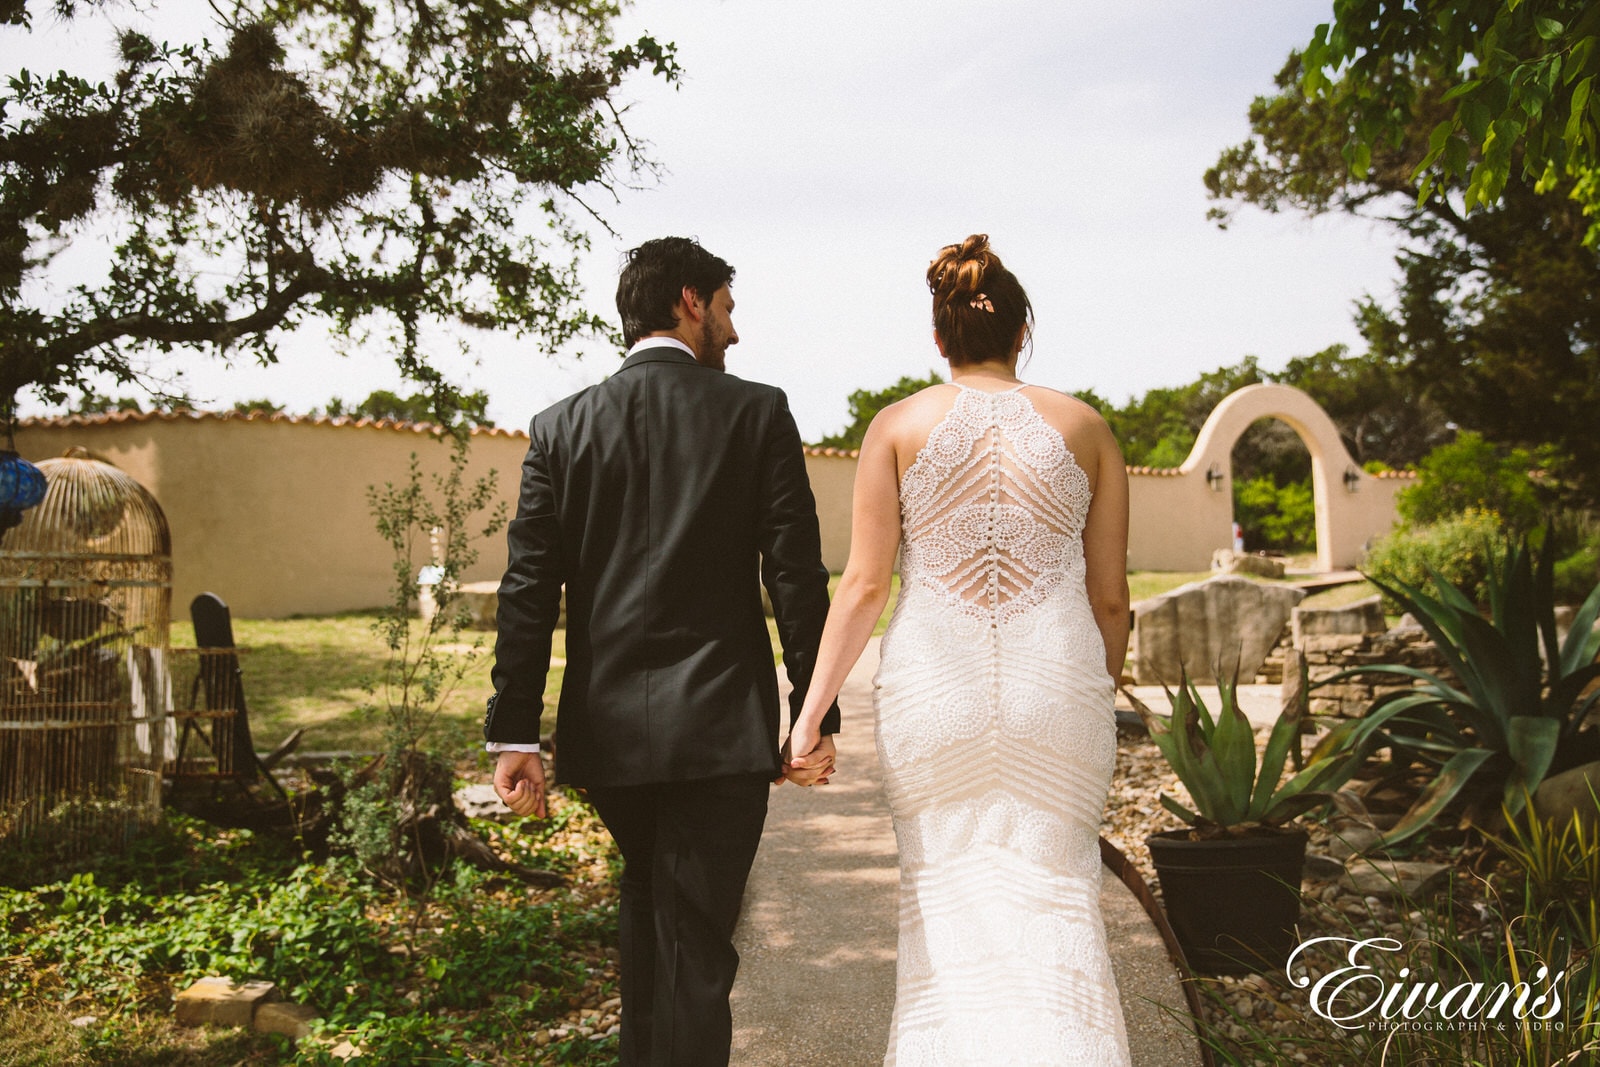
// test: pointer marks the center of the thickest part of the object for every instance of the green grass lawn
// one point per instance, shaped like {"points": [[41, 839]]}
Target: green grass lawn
{"points": [[324, 673]]}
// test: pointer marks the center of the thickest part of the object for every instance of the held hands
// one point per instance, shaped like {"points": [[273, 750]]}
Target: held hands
{"points": [[814, 765], [519, 782]]}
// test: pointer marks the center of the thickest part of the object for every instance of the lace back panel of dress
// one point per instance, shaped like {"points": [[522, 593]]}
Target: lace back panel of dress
{"points": [[992, 510]]}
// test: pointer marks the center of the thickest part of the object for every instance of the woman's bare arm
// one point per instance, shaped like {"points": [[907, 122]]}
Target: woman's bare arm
{"points": [[864, 587], [1105, 548]]}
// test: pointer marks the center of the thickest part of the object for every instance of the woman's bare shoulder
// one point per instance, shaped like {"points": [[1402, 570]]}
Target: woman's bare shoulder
{"points": [[917, 412], [1074, 418]]}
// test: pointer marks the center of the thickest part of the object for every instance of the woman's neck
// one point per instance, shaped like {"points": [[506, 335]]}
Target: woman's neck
{"points": [[988, 371]]}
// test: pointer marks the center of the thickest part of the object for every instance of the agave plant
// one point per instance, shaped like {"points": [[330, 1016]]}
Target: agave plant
{"points": [[1515, 710], [1215, 759]]}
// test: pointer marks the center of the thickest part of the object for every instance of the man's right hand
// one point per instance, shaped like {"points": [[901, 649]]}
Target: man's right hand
{"points": [[519, 782], [814, 767]]}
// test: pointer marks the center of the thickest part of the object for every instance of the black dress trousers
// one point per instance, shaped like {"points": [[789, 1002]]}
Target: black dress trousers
{"points": [[687, 848]]}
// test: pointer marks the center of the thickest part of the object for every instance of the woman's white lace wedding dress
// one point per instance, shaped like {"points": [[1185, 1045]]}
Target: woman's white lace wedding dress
{"points": [[998, 738]]}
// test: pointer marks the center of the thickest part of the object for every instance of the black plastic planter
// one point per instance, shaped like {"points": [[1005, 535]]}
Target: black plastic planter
{"points": [[1232, 902]]}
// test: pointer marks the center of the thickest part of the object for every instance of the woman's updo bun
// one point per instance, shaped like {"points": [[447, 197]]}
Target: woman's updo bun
{"points": [[979, 307]]}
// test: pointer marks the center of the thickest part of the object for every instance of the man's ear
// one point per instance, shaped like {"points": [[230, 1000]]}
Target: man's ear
{"points": [[694, 308]]}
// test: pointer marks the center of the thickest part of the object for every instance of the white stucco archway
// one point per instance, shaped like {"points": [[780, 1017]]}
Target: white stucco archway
{"points": [[1178, 518]]}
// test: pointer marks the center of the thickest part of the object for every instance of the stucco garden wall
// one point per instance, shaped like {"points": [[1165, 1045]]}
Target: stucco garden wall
{"points": [[270, 512]]}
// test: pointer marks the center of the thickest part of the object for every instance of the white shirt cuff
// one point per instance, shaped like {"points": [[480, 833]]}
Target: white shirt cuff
{"points": [[501, 746]]}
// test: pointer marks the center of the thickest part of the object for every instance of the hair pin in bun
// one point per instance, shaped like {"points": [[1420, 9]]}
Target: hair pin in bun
{"points": [[981, 302]]}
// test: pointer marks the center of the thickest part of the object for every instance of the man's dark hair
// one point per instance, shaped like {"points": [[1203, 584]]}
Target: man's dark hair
{"points": [[654, 278]]}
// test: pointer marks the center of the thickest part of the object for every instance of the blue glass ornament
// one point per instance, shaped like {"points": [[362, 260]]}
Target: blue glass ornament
{"points": [[22, 485]]}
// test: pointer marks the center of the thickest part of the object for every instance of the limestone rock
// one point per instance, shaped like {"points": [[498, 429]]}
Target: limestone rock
{"points": [[281, 1017], [480, 801], [1350, 841], [1362, 617], [1560, 795], [1223, 623], [1320, 868], [1230, 562], [1389, 878], [222, 1002], [1331, 642], [480, 600]]}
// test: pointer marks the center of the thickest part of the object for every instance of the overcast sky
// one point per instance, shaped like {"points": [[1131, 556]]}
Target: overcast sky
{"points": [[828, 149]]}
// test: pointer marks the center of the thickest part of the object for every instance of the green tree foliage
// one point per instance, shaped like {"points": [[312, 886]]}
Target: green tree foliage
{"points": [[258, 407], [866, 403], [472, 408], [1158, 429], [1381, 414], [1517, 100], [93, 403], [383, 166], [1471, 473], [1274, 516], [1494, 323]]}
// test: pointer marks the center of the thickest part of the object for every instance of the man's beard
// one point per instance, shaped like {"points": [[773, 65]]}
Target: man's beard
{"points": [[711, 353]]}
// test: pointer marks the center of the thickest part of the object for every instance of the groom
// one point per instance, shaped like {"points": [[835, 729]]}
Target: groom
{"points": [[656, 498]]}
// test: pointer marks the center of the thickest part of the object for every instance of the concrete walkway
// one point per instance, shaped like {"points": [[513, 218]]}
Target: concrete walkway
{"points": [[817, 937]]}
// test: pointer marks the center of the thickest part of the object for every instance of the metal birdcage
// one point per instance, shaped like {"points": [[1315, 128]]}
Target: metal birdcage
{"points": [[85, 692]]}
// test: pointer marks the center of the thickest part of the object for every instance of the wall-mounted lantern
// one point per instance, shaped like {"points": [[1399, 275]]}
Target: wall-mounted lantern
{"points": [[1215, 479], [1352, 479]]}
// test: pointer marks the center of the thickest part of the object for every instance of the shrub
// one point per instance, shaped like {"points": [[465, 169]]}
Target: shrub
{"points": [[1469, 474], [1577, 573], [1457, 547]]}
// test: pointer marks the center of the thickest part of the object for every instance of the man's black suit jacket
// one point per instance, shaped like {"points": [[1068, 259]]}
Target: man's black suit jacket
{"points": [[658, 497]]}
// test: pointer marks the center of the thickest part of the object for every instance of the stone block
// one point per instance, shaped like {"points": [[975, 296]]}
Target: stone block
{"points": [[1387, 645], [281, 1017], [1346, 693], [1333, 642], [1361, 617], [1224, 624], [222, 1002]]}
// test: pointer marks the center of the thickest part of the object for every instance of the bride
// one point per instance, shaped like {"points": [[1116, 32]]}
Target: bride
{"points": [[994, 694]]}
